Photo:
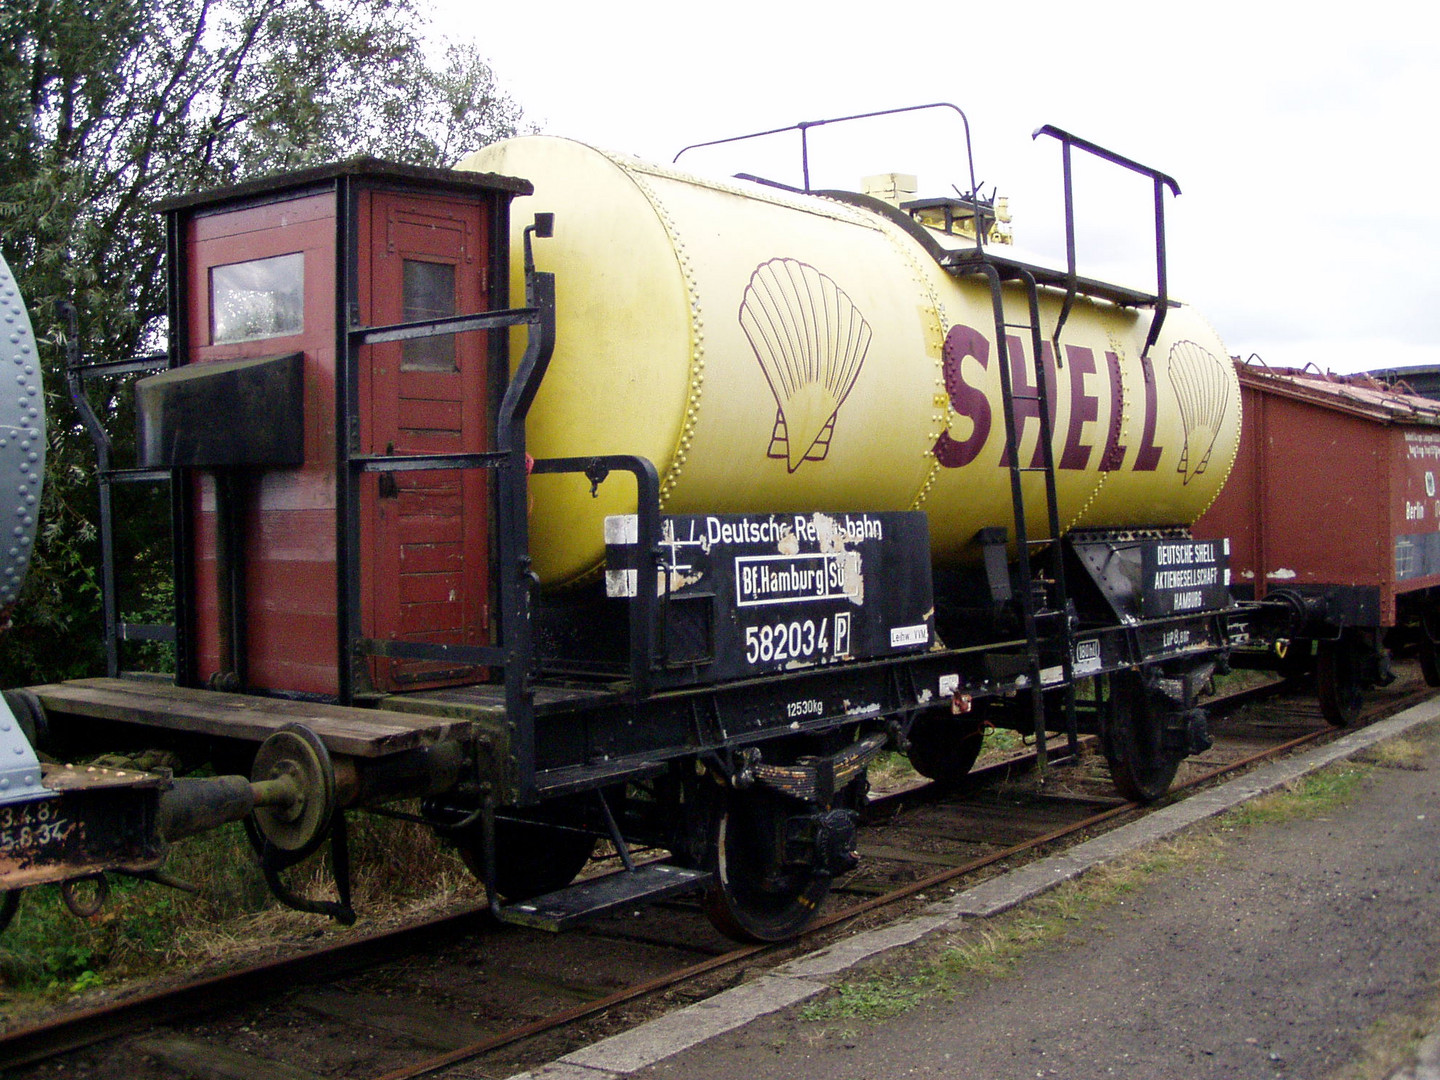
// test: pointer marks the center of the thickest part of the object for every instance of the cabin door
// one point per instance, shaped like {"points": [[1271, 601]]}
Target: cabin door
{"points": [[426, 564]]}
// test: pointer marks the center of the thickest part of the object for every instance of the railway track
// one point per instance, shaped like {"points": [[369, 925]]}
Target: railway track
{"points": [[428, 998]]}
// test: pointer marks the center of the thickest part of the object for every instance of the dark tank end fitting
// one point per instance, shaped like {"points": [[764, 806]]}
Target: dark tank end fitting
{"points": [[1298, 614]]}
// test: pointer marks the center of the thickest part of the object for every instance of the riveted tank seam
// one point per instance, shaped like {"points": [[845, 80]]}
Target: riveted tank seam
{"points": [[697, 330], [938, 326], [1127, 405], [1239, 417], [1126, 414]]}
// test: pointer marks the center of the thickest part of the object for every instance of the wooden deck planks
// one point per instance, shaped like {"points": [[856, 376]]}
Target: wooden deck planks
{"points": [[343, 729]]}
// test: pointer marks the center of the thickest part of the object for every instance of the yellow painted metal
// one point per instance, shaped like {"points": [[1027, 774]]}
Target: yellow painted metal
{"points": [[772, 352]]}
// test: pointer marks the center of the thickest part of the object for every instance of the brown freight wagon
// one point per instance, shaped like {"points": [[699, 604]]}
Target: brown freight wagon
{"points": [[1332, 509]]}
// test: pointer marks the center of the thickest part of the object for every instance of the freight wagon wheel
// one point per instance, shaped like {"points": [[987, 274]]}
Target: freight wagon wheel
{"points": [[1429, 661], [295, 756], [754, 895], [1337, 680], [944, 746], [1133, 736], [1296, 665], [531, 859]]}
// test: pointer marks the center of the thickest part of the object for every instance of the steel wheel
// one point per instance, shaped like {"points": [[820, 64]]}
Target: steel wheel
{"points": [[753, 897], [1337, 680], [1429, 662], [1133, 737], [944, 746]]}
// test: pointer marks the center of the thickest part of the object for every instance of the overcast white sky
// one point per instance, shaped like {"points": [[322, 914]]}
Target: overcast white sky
{"points": [[1300, 134]]}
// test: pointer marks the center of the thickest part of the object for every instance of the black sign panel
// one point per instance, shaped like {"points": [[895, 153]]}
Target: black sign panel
{"points": [[1183, 576], [1155, 577], [746, 594]]}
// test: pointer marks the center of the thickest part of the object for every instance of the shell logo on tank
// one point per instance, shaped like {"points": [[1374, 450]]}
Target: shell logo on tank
{"points": [[810, 341], [1203, 400]]}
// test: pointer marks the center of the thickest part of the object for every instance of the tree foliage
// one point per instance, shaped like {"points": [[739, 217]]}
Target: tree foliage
{"points": [[107, 107]]}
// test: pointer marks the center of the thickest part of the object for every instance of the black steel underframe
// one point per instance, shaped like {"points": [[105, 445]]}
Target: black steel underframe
{"points": [[595, 744]]}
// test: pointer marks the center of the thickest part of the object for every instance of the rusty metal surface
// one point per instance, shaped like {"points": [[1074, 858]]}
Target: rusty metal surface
{"points": [[1362, 393], [89, 820], [64, 778]]}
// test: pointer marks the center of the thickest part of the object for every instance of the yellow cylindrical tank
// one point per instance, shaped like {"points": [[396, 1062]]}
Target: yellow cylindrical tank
{"points": [[779, 352]]}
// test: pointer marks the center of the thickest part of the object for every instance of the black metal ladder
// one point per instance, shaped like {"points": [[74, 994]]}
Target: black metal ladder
{"points": [[1043, 600], [77, 373]]}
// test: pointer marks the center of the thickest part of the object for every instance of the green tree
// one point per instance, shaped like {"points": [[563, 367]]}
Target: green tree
{"points": [[108, 106]]}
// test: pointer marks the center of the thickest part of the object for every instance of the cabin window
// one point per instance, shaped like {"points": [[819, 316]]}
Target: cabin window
{"points": [[428, 293], [262, 298]]}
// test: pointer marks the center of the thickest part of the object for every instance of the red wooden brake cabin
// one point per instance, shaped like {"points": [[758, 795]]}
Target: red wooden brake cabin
{"points": [[286, 557]]}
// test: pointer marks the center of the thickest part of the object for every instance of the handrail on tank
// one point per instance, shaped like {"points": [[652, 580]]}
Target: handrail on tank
{"points": [[1160, 181], [804, 127], [517, 578], [644, 611]]}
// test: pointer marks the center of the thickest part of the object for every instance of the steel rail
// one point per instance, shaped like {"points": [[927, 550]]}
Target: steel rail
{"points": [[37, 1042], [662, 982]]}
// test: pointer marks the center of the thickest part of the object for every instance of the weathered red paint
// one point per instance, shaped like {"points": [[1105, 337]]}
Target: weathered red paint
{"points": [[1329, 480], [290, 513], [423, 555], [425, 575]]}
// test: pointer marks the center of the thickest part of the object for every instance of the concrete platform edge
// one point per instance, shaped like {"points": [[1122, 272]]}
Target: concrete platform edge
{"points": [[810, 975]]}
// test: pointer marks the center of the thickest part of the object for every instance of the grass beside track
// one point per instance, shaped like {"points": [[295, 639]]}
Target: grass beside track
{"points": [[48, 956], [992, 950]]}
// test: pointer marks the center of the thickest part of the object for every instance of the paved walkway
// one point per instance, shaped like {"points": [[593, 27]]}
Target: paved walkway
{"points": [[1280, 957]]}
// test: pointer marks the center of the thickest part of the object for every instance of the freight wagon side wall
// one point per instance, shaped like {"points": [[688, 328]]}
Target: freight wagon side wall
{"points": [[1414, 455], [1315, 501]]}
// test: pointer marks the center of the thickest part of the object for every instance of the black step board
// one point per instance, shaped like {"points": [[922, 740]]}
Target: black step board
{"points": [[566, 907]]}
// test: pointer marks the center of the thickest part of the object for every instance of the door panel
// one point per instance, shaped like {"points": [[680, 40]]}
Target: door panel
{"points": [[427, 557]]}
